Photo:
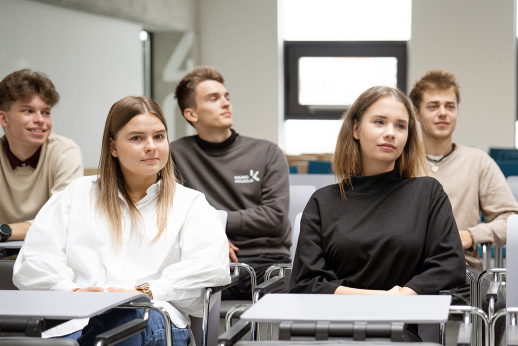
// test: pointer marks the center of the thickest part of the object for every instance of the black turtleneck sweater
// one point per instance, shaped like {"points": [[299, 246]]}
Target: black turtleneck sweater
{"points": [[388, 231], [247, 177]]}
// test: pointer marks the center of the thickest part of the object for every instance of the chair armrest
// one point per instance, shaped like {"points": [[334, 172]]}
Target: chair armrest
{"points": [[120, 333], [269, 285], [233, 281], [493, 290], [235, 333]]}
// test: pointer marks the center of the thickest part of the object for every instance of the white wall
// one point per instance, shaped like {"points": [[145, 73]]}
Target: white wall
{"points": [[92, 60], [476, 41], [239, 38]]}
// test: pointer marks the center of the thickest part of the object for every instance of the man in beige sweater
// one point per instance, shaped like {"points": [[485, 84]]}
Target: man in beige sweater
{"points": [[34, 164], [474, 183]]}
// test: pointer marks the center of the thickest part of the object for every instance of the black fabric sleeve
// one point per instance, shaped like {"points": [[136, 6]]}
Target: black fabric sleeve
{"points": [[444, 264], [310, 273], [270, 219]]}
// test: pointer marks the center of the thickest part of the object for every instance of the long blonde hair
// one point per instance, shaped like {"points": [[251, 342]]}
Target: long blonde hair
{"points": [[111, 180], [347, 158]]}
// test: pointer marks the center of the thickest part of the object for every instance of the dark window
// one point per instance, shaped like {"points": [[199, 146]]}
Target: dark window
{"points": [[322, 79]]}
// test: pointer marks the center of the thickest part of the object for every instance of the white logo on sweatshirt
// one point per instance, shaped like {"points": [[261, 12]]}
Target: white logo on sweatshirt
{"points": [[248, 178]]}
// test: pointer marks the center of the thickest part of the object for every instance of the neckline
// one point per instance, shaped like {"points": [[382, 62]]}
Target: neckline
{"points": [[458, 148], [210, 145], [375, 182]]}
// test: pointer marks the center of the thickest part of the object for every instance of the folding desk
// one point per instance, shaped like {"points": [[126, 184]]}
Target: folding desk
{"points": [[58, 307], [9, 248], [346, 308]]}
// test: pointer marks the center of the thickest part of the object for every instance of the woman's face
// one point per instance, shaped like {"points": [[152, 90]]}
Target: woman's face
{"points": [[141, 146], [382, 134]]}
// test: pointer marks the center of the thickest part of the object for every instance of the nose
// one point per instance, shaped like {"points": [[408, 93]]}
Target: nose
{"points": [[442, 110], [390, 133], [150, 145], [225, 103], [37, 117]]}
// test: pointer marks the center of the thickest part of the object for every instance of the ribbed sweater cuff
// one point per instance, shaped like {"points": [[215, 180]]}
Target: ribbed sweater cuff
{"points": [[482, 234], [234, 222]]}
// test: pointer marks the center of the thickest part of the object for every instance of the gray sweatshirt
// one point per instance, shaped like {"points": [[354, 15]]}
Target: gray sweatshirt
{"points": [[249, 178]]}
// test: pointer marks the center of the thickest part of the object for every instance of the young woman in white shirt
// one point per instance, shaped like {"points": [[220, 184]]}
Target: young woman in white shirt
{"points": [[130, 229]]}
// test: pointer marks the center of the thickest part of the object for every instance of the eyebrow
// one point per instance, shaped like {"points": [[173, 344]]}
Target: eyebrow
{"points": [[216, 94], [448, 102], [29, 106], [141, 133], [384, 117]]}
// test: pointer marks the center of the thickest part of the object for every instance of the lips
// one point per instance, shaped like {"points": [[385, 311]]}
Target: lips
{"points": [[38, 130], [387, 146], [151, 159]]}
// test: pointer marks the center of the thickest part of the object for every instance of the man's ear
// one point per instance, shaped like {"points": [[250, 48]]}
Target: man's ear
{"points": [[356, 132], [417, 114], [190, 115], [3, 119], [113, 148]]}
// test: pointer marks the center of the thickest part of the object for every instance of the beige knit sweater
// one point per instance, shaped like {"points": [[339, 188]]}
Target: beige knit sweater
{"points": [[24, 190], [475, 185]]}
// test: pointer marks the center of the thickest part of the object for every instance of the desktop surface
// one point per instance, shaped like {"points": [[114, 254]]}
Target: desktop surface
{"points": [[62, 305], [349, 308]]}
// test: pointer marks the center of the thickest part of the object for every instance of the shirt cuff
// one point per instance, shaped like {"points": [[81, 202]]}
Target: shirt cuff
{"points": [[234, 222], [482, 234], [66, 286], [161, 289]]}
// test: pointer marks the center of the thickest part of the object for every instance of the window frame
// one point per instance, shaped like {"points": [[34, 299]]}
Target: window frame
{"points": [[294, 50]]}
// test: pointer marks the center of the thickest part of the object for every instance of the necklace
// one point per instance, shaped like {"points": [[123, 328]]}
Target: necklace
{"points": [[435, 168]]}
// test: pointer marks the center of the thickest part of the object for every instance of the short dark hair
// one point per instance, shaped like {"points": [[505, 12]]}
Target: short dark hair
{"points": [[184, 92], [434, 80], [23, 85]]}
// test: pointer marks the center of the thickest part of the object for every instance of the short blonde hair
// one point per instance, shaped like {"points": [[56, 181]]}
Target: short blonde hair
{"points": [[434, 80]]}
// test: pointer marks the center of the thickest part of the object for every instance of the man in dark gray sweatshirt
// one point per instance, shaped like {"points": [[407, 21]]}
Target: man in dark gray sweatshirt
{"points": [[247, 177]]}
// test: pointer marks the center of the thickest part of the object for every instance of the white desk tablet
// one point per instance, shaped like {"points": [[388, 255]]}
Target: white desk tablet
{"points": [[12, 244], [62, 305], [345, 308]]}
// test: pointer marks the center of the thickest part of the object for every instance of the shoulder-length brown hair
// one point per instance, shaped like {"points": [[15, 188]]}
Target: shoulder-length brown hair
{"points": [[347, 158], [111, 181]]}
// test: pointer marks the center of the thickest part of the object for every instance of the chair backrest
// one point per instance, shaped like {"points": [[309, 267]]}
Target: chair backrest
{"points": [[320, 167], [6, 275], [295, 235], [512, 261], [317, 180], [223, 215], [299, 197], [508, 168], [503, 154], [512, 181]]}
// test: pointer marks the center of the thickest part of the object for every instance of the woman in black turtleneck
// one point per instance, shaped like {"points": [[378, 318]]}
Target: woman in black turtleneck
{"points": [[381, 230]]}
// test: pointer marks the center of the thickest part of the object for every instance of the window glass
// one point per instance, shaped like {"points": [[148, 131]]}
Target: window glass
{"points": [[311, 136], [339, 81], [346, 20]]}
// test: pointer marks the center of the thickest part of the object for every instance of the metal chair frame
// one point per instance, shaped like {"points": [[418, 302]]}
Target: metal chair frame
{"points": [[467, 312], [512, 312], [486, 256]]}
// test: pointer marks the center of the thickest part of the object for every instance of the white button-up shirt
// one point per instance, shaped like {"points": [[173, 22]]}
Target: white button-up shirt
{"points": [[69, 245]]}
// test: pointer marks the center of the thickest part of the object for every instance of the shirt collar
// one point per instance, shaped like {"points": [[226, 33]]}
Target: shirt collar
{"points": [[16, 162], [151, 193]]}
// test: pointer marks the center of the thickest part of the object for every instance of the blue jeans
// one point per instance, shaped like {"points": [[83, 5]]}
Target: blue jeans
{"points": [[154, 335]]}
